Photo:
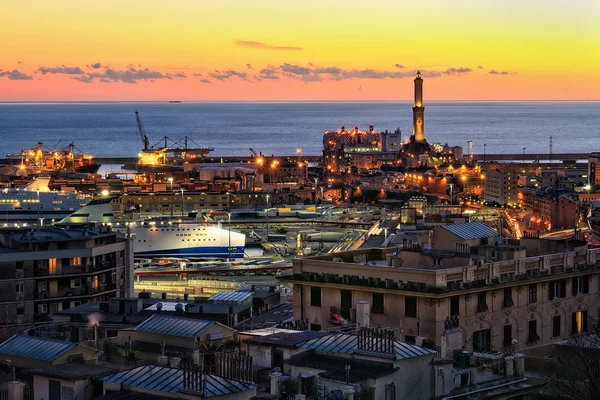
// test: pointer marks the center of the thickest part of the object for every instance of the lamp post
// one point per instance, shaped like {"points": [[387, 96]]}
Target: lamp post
{"points": [[451, 187], [316, 185], [229, 234], [485, 144], [267, 218], [182, 204], [170, 179]]}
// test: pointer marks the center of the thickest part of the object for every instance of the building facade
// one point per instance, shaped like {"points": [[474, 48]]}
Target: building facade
{"points": [[534, 299], [51, 269]]}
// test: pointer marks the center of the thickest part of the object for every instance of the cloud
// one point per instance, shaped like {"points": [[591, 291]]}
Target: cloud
{"points": [[19, 62], [265, 46], [249, 66], [95, 66], [224, 75], [131, 74], [16, 75], [61, 70], [494, 72], [454, 71], [398, 65], [480, 66], [198, 74], [295, 69], [204, 81]]}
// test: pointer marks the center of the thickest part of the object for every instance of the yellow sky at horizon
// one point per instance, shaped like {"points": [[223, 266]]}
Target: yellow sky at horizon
{"points": [[550, 50]]}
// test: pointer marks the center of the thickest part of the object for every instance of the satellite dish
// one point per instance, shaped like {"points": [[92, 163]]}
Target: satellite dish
{"points": [[159, 306]]}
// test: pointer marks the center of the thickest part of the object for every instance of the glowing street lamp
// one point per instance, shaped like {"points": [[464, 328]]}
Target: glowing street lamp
{"points": [[170, 179]]}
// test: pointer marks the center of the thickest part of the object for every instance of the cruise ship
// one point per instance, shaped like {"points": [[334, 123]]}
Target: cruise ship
{"points": [[35, 200], [164, 237]]}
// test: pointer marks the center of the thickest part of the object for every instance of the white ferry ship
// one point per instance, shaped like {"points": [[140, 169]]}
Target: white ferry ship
{"points": [[35, 200], [164, 237]]}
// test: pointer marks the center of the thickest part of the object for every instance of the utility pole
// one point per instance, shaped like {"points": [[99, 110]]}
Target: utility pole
{"points": [[267, 218], [316, 183]]}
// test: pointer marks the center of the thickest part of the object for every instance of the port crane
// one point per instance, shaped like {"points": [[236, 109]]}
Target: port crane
{"points": [[143, 134]]}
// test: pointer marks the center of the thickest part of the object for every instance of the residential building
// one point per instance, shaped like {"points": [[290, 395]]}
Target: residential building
{"points": [[46, 270], [531, 290], [552, 209]]}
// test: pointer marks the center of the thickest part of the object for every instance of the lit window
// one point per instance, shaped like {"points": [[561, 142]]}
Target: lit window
{"points": [[52, 266]]}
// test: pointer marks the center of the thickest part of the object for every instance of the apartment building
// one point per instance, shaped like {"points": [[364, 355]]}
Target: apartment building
{"points": [[46, 270], [531, 291], [552, 209]]}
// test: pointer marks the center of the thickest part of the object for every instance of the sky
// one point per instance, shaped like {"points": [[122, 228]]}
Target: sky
{"points": [[274, 50]]}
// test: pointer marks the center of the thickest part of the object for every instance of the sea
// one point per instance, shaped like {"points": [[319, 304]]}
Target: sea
{"points": [[108, 129]]}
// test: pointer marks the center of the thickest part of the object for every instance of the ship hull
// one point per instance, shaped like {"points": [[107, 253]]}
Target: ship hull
{"points": [[195, 252]]}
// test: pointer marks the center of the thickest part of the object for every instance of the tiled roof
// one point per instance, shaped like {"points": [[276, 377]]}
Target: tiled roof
{"points": [[166, 379], [36, 348], [174, 326], [348, 344], [230, 296], [471, 230]]}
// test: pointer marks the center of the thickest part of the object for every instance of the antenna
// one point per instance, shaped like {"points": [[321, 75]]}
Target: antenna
{"points": [[550, 147]]}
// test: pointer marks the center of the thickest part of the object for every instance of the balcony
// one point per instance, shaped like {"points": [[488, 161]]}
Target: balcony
{"points": [[76, 292], [72, 270]]}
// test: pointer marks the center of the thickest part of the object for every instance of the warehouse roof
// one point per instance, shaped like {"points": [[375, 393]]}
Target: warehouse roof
{"points": [[174, 326]]}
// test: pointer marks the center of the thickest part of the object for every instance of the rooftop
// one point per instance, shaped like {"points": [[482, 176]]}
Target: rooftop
{"points": [[335, 368], [344, 343], [36, 348], [166, 306], [471, 230], [285, 339], [174, 326], [76, 371], [164, 379], [231, 296]]}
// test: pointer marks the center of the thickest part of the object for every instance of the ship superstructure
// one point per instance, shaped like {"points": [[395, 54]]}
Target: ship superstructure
{"points": [[36, 200]]}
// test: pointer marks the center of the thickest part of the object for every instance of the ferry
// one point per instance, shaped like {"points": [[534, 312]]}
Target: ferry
{"points": [[35, 201], [154, 238]]}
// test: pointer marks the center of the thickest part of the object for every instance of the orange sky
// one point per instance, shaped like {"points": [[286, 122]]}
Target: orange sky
{"points": [[298, 50]]}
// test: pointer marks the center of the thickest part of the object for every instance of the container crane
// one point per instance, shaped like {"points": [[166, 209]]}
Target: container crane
{"points": [[143, 134]]}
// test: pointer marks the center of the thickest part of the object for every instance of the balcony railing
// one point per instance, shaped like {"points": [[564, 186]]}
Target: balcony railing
{"points": [[75, 269]]}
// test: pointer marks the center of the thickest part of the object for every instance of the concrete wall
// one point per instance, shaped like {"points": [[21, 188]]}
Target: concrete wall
{"points": [[83, 390]]}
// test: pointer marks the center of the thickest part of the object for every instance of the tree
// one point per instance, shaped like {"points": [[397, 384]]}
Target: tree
{"points": [[574, 369]]}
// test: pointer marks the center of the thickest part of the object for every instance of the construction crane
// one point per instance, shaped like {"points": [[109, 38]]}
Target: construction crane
{"points": [[143, 134], [253, 153]]}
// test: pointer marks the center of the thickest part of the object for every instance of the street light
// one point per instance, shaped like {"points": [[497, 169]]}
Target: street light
{"points": [[229, 233], [170, 179], [316, 185], [267, 218]]}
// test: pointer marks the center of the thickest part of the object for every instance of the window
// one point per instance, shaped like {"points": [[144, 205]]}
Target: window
{"points": [[410, 306], [533, 335], [581, 285], [579, 322], [532, 293], [481, 302], [507, 338], [19, 288], [76, 261], [42, 308], [75, 283], [20, 310], [482, 340], [315, 296], [437, 262], [377, 307], [508, 301], [556, 326], [454, 305], [557, 289], [315, 327], [52, 266]]}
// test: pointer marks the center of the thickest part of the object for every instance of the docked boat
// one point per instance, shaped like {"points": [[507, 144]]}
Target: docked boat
{"points": [[35, 200], [154, 238], [38, 159]]}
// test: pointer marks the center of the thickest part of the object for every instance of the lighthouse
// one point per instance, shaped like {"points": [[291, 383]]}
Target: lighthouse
{"points": [[418, 111]]}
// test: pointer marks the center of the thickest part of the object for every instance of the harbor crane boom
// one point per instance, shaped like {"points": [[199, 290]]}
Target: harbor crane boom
{"points": [[143, 134], [253, 153]]}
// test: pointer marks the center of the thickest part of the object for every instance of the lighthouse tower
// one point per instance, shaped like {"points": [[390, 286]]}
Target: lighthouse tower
{"points": [[418, 111]]}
